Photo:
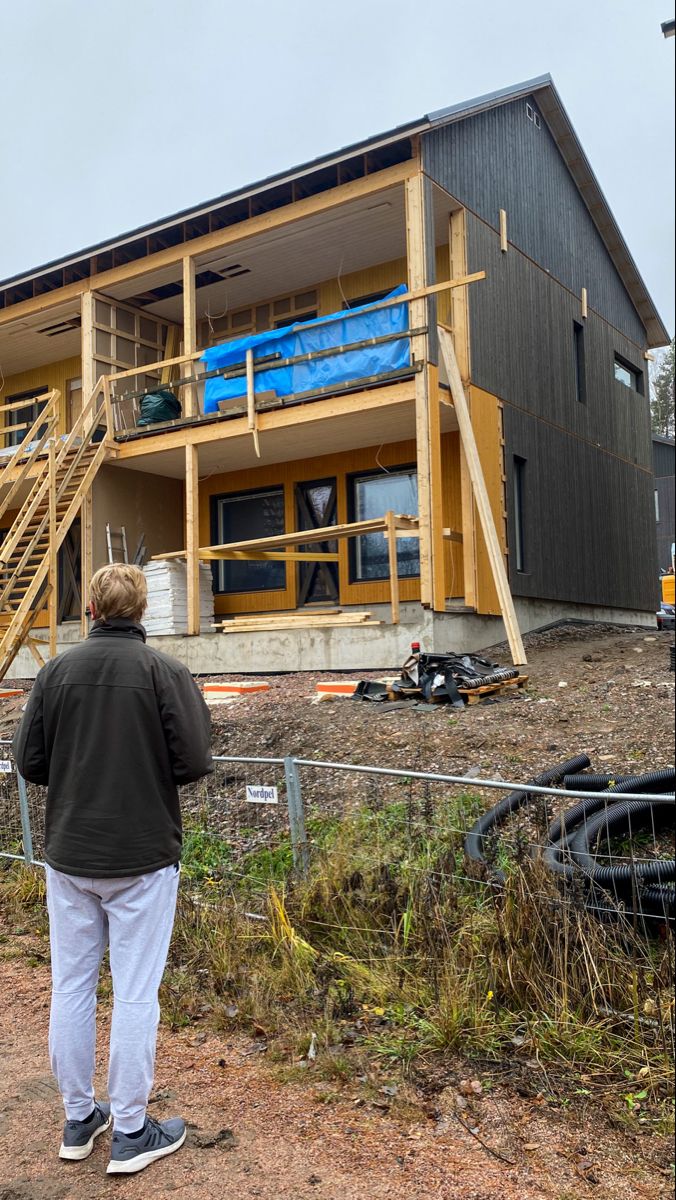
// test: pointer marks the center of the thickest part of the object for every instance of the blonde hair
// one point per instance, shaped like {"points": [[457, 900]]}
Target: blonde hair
{"points": [[119, 590]]}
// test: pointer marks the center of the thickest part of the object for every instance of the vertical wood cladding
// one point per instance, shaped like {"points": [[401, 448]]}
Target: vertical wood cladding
{"points": [[589, 526], [501, 159], [588, 519], [663, 464]]}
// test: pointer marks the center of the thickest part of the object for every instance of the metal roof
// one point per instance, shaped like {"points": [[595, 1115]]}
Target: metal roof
{"points": [[561, 128]]}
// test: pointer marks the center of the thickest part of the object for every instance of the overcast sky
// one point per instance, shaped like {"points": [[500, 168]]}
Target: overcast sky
{"points": [[118, 112]]}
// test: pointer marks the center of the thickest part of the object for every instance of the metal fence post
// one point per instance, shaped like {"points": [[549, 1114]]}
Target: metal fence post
{"points": [[299, 844], [25, 819]]}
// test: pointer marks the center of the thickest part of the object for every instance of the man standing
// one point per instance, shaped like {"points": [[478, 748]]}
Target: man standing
{"points": [[111, 728]]}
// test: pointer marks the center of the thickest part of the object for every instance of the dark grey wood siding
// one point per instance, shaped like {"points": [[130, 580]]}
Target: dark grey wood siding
{"points": [[663, 462], [500, 159]]}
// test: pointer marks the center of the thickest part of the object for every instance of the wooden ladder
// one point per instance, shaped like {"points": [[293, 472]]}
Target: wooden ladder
{"points": [[60, 473]]}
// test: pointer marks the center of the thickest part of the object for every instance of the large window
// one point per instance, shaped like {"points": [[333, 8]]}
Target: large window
{"points": [[243, 517], [628, 374], [373, 496]]}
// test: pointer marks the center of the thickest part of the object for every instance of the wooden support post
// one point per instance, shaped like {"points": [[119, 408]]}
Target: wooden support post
{"points": [[482, 500], [53, 601], [86, 556], [192, 537], [394, 567], [583, 303], [460, 318], [87, 353], [415, 250], [251, 400], [504, 244], [189, 331]]}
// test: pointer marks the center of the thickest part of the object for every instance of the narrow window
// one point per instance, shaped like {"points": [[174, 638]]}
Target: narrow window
{"points": [[580, 374], [519, 541], [657, 506], [628, 374]]}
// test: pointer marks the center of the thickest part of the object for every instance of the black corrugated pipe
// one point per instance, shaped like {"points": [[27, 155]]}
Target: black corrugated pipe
{"points": [[592, 783], [622, 817], [496, 816]]}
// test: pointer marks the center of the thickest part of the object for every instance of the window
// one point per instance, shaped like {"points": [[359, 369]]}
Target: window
{"points": [[23, 418], [533, 115], [274, 314], [242, 517], [373, 496], [519, 541], [628, 374], [657, 506], [580, 374], [371, 298]]}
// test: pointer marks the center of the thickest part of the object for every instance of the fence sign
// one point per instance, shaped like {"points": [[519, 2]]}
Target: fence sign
{"points": [[257, 794], [6, 767]]}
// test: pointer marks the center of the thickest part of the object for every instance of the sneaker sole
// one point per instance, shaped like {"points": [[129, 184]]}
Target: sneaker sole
{"points": [[140, 1161], [78, 1153]]}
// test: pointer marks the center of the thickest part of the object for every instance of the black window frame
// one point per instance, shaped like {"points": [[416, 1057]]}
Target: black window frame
{"points": [[241, 494], [519, 491], [23, 416], [620, 361], [350, 481], [580, 362]]}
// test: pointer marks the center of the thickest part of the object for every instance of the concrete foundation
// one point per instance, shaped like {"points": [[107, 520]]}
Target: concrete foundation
{"points": [[352, 648]]}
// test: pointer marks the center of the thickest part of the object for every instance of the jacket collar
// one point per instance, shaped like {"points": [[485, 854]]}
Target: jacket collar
{"points": [[118, 627]]}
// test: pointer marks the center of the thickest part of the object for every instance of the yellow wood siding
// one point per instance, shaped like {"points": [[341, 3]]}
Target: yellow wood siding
{"points": [[286, 475], [487, 424], [52, 375], [333, 293]]}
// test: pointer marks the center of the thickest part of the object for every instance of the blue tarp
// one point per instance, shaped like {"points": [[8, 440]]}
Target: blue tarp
{"points": [[339, 329]]}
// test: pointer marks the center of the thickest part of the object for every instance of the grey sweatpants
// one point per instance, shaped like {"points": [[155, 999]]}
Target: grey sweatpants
{"points": [[134, 917]]}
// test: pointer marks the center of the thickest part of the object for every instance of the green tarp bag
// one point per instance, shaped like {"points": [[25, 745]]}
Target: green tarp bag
{"points": [[161, 405]]}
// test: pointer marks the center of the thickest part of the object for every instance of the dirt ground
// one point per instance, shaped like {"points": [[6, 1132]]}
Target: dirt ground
{"points": [[255, 1136]]}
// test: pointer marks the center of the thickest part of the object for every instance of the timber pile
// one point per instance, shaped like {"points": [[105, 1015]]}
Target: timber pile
{"points": [[297, 620], [167, 611]]}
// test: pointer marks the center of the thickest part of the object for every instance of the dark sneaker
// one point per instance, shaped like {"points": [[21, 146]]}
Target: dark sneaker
{"points": [[79, 1136], [158, 1138]]}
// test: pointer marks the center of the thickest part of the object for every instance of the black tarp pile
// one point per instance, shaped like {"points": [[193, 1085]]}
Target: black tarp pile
{"points": [[438, 679]]}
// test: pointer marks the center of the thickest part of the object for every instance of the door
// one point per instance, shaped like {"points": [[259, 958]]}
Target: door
{"points": [[315, 509]]}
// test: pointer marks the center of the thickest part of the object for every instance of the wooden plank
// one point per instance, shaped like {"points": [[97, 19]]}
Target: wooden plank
{"points": [[86, 557], [452, 535], [87, 349], [251, 400], [504, 244], [415, 257], [326, 533], [53, 561], [482, 500], [268, 555], [171, 348], [192, 537], [394, 569], [190, 406], [439, 587]]}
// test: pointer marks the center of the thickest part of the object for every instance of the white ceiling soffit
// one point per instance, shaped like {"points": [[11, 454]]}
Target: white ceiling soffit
{"points": [[46, 337]]}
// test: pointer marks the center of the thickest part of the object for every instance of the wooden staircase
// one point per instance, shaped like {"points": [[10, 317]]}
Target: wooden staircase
{"points": [[59, 473]]}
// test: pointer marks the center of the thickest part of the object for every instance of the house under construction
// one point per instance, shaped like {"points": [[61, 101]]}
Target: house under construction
{"points": [[412, 403]]}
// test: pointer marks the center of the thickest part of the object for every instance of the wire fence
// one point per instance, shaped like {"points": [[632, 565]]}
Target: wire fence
{"points": [[256, 817]]}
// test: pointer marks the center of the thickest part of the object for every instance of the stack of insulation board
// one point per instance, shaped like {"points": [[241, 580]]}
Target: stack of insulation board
{"points": [[167, 610]]}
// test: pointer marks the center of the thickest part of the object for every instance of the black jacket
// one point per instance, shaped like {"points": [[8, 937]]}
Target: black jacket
{"points": [[111, 727]]}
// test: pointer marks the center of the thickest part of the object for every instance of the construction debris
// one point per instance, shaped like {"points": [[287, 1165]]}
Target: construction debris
{"points": [[296, 620], [457, 679], [167, 611]]}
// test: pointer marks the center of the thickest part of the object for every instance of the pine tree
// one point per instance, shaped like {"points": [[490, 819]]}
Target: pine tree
{"points": [[662, 394]]}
